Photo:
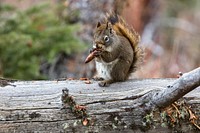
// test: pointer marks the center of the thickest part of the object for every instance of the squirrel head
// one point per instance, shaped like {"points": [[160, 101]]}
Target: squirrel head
{"points": [[104, 36]]}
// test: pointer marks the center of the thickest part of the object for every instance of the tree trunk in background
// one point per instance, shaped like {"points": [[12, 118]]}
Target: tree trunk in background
{"points": [[136, 12]]}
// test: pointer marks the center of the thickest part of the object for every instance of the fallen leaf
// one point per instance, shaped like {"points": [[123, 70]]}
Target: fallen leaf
{"points": [[88, 82], [79, 107], [84, 79], [85, 122]]}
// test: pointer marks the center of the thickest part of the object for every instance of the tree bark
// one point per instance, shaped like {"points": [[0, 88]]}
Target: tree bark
{"points": [[136, 105]]}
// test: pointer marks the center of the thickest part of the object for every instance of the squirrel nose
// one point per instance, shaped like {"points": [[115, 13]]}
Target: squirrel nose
{"points": [[97, 45]]}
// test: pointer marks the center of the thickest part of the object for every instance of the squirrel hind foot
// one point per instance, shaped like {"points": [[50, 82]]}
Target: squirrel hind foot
{"points": [[105, 83], [96, 78]]}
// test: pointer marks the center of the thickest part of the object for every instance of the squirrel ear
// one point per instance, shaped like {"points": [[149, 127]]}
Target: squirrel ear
{"points": [[108, 25], [98, 24], [111, 31]]}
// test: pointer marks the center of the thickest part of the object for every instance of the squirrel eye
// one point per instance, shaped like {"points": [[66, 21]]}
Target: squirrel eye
{"points": [[106, 38]]}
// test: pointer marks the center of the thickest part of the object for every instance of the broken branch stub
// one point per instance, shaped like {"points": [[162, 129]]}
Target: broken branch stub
{"points": [[186, 83]]}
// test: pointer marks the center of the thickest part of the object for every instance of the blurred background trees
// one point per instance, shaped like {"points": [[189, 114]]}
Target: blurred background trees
{"points": [[50, 39], [32, 38]]}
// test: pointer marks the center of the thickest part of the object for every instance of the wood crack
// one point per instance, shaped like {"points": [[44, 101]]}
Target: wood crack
{"points": [[114, 100], [21, 109]]}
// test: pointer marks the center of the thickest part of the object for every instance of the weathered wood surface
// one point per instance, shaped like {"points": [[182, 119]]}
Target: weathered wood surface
{"points": [[35, 106]]}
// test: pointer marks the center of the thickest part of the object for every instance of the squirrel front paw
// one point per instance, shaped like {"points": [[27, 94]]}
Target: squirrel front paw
{"points": [[97, 53]]}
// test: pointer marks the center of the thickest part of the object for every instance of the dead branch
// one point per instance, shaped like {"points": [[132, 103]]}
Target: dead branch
{"points": [[186, 83]]}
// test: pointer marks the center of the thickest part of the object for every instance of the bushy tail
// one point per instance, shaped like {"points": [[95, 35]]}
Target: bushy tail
{"points": [[122, 29]]}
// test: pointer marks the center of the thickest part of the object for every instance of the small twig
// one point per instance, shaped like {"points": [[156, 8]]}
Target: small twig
{"points": [[176, 109]]}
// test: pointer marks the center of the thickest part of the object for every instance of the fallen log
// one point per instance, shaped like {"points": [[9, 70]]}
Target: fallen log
{"points": [[137, 105]]}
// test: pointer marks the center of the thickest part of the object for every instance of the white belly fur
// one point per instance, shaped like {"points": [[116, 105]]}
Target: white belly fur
{"points": [[104, 69]]}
